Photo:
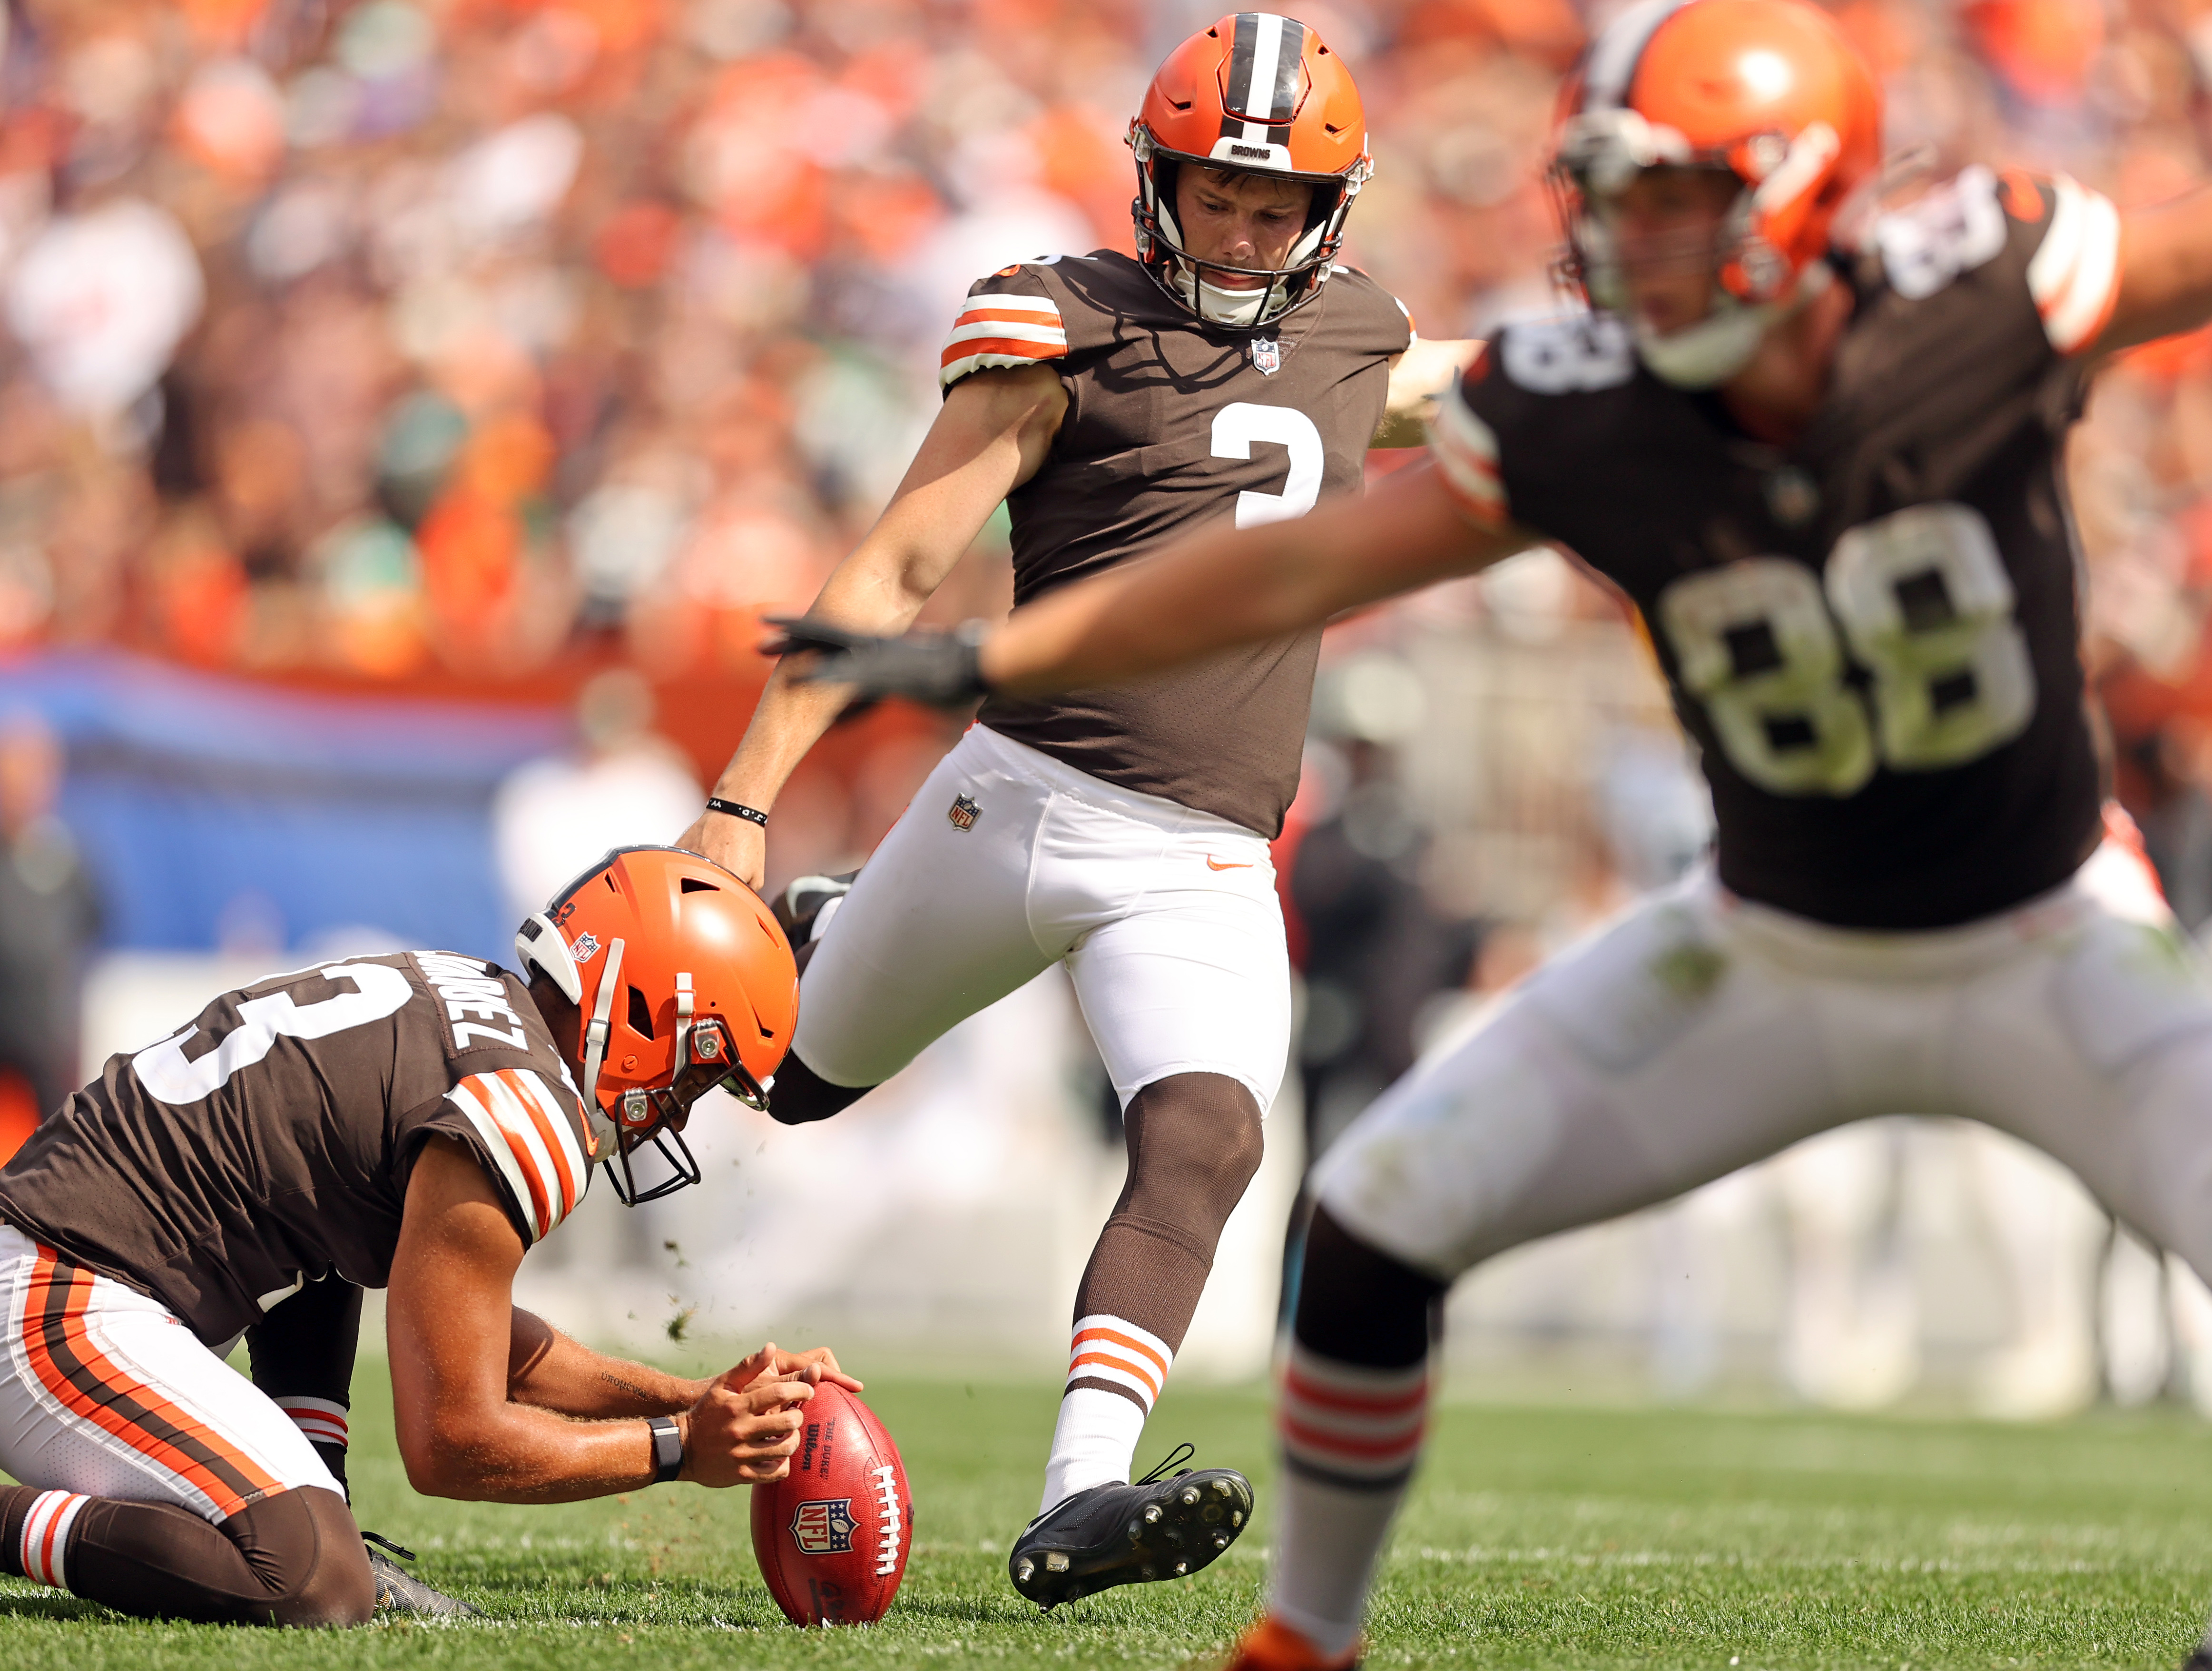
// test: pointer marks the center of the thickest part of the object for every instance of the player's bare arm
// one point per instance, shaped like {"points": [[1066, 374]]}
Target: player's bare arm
{"points": [[556, 1425], [1239, 586], [1419, 378], [990, 437], [2166, 270], [548, 1369]]}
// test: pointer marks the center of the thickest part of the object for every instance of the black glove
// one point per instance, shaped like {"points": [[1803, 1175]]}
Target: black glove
{"points": [[941, 669]]}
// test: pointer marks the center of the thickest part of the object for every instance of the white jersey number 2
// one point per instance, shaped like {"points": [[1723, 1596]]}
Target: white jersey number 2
{"points": [[1926, 607], [1241, 422]]}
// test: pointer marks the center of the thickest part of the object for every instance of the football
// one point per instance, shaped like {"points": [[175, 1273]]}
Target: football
{"points": [[832, 1535]]}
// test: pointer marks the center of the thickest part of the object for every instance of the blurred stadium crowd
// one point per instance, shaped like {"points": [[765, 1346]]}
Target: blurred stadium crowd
{"points": [[524, 352]]}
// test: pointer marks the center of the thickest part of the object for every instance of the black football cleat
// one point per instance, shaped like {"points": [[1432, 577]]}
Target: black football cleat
{"points": [[800, 908], [1131, 1535], [399, 1593], [2200, 1657]]}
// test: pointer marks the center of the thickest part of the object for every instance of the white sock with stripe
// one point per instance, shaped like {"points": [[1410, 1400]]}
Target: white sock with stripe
{"points": [[322, 1419], [1349, 1437], [43, 1549], [1095, 1440]]}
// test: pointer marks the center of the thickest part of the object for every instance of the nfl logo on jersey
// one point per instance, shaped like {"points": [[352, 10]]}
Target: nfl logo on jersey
{"points": [[962, 813], [824, 1525], [1266, 356]]}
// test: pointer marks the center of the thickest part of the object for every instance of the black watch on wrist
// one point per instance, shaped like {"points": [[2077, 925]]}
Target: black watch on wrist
{"points": [[667, 1448]]}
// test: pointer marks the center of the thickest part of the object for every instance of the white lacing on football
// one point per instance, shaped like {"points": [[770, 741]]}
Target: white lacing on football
{"points": [[1002, 331], [887, 1546], [2075, 275]]}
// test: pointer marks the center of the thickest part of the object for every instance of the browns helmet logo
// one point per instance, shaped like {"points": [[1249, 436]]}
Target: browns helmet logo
{"points": [[962, 813], [824, 1525]]}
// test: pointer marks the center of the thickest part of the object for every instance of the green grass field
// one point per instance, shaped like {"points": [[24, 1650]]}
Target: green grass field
{"points": [[1559, 1537]]}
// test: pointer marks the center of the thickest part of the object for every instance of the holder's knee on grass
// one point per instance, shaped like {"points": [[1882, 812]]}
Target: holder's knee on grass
{"points": [[294, 1558]]}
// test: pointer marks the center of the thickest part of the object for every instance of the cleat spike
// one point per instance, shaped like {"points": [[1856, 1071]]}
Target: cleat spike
{"points": [[1221, 1539], [1055, 1562], [1026, 1570], [1236, 1516], [1222, 1488], [1181, 1568], [1187, 1496], [1151, 1513]]}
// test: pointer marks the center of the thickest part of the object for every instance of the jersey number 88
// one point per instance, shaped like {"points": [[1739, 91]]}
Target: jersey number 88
{"points": [[1926, 608]]}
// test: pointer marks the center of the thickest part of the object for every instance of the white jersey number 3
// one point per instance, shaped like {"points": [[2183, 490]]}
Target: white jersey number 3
{"points": [[171, 1077], [1241, 422], [1925, 606]]}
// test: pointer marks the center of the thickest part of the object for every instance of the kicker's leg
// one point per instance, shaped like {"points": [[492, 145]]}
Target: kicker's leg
{"points": [[1354, 1402], [1194, 1142]]}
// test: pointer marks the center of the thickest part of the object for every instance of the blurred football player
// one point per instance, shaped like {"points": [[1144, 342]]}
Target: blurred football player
{"points": [[1233, 370], [413, 1121], [1819, 449]]}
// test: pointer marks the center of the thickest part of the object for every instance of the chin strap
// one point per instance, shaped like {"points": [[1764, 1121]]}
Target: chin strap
{"points": [[1709, 353], [595, 1031]]}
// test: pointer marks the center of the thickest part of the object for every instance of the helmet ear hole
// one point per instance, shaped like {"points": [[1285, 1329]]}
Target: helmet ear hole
{"points": [[640, 1014]]}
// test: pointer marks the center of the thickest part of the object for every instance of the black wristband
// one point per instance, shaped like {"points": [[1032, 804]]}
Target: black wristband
{"points": [[737, 810], [667, 1448]]}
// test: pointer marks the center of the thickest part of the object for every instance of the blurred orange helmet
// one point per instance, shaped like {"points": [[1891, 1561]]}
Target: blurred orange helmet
{"points": [[1260, 94], [685, 982], [1771, 92]]}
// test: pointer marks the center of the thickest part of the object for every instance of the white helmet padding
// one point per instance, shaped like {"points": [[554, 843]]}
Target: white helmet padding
{"points": [[538, 944]]}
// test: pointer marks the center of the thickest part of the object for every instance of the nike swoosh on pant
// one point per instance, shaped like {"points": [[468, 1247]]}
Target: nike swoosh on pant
{"points": [[1213, 864]]}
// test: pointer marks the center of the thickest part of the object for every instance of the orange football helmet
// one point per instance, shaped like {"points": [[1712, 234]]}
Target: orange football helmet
{"points": [[1771, 92], [1259, 93], [685, 982]]}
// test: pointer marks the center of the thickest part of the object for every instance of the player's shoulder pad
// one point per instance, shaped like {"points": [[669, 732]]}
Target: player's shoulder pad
{"points": [[534, 1138], [2074, 273], [1465, 446], [1376, 309], [2062, 237], [1012, 317], [1559, 354]]}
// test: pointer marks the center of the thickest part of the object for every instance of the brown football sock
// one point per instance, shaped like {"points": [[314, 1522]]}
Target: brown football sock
{"points": [[292, 1559], [1195, 1144]]}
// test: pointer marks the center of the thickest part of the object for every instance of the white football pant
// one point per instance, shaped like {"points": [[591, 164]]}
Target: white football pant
{"points": [[104, 1393], [1166, 918], [1697, 1033]]}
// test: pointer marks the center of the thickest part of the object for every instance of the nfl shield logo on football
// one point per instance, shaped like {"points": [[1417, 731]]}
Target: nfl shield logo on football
{"points": [[824, 1525], [962, 813], [585, 948], [1266, 356]]}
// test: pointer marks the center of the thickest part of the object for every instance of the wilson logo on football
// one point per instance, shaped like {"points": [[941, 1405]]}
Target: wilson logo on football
{"points": [[823, 1526]]}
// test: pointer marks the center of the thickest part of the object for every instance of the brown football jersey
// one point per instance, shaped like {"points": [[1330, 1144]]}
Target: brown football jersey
{"points": [[269, 1142], [1171, 422], [1873, 634]]}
